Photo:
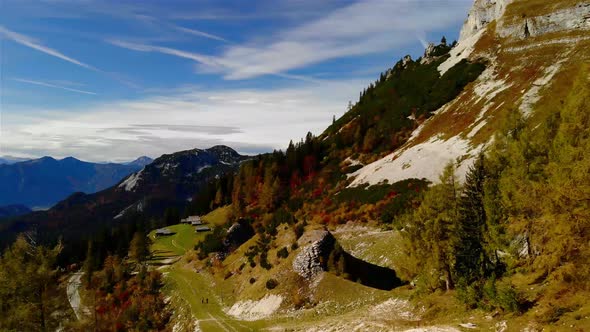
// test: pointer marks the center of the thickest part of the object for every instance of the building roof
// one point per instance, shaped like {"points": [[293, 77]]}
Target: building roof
{"points": [[164, 231], [202, 228]]}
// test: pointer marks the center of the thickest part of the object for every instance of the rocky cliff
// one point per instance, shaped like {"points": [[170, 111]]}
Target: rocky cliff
{"points": [[311, 259], [528, 46]]}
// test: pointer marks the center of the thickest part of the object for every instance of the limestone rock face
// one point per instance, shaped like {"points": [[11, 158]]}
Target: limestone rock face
{"points": [[568, 19], [529, 25], [482, 13], [406, 60], [311, 259]]}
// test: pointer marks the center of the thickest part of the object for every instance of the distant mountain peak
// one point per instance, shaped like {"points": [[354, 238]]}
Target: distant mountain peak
{"points": [[45, 181], [221, 148], [141, 161], [70, 159]]}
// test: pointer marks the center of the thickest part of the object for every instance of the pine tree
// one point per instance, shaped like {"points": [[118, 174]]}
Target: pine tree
{"points": [[27, 283], [139, 248], [472, 261], [431, 231], [218, 200], [266, 195], [90, 263]]}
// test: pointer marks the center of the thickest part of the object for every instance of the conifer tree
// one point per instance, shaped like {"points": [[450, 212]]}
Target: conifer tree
{"points": [[90, 263], [432, 232], [472, 262], [27, 278], [139, 248]]}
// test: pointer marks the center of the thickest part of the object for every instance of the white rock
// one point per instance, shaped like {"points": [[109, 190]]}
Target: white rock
{"points": [[131, 182], [422, 161], [254, 310], [481, 14]]}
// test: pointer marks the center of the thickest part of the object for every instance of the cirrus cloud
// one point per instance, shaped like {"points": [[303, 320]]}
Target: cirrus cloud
{"points": [[251, 121], [364, 27]]}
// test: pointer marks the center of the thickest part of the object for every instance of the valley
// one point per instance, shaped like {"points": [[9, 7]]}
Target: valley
{"points": [[453, 195], [344, 305]]}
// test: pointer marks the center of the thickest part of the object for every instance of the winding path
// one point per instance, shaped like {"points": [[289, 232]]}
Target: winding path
{"points": [[73, 292]]}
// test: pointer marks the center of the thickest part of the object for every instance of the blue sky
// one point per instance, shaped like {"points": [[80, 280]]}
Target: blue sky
{"points": [[112, 80]]}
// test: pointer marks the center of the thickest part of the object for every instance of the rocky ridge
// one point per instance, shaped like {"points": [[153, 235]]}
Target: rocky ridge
{"points": [[526, 45]]}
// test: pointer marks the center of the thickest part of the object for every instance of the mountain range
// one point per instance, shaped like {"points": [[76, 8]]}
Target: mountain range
{"points": [[40, 183], [11, 160], [461, 175], [171, 180], [13, 211]]}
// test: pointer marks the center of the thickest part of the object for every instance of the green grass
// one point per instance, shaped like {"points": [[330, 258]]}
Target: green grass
{"points": [[219, 216], [167, 247], [187, 288], [185, 238], [378, 247]]}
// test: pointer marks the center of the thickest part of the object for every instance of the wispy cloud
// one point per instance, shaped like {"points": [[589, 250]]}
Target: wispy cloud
{"points": [[34, 44], [251, 120], [206, 63], [364, 27], [50, 85], [209, 61], [201, 34]]}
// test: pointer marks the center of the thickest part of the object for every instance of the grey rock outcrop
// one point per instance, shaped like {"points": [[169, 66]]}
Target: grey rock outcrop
{"points": [[312, 258], [569, 19], [482, 13], [406, 60]]}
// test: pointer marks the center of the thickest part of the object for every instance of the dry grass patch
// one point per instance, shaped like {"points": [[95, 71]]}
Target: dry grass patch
{"points": [[520, 9]]}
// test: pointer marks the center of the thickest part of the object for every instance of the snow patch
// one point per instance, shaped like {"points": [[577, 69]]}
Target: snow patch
{"points": [[131, 182], [461, 51], [422, 161], [254, 310]]}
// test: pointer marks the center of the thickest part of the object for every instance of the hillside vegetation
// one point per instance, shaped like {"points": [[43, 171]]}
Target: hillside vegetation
{"points": [[499, 239]]}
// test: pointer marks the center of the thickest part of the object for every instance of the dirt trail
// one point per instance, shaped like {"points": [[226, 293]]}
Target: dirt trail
{"points": [[73, 292]]}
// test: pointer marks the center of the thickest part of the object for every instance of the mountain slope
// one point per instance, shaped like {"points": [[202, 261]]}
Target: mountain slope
{"points": [[530, 46], [13, 211], [141, 161], [170, 181], [7, 160], [45, 181], [518, 66]]}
